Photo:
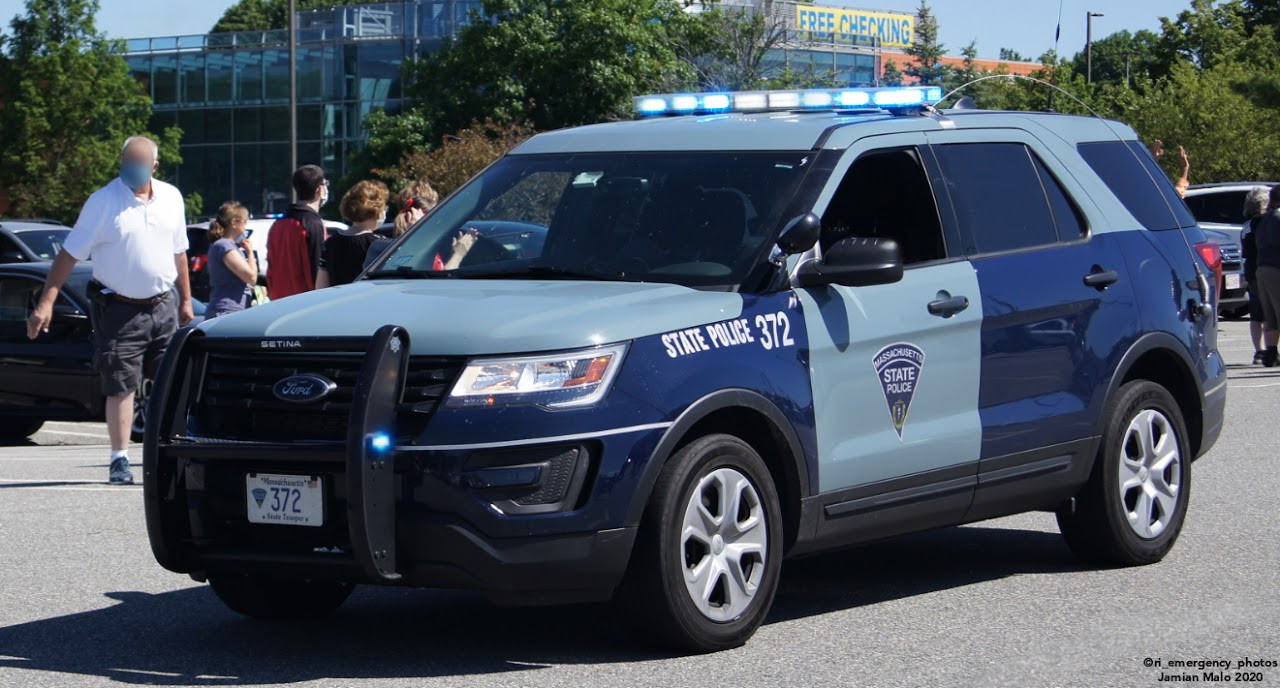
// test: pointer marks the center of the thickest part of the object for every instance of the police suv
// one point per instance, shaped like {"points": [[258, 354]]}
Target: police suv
{"points": [[745, 326]]}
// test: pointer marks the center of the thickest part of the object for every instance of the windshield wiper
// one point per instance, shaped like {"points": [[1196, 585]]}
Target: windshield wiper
{"points": [[540, 272], [406, 272]]}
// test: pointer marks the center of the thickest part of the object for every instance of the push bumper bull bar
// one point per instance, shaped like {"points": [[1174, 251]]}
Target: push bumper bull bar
{"points": [[371, 498]]}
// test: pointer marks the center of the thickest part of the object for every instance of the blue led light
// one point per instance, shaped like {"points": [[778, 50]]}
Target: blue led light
{"points": [[652, 106], [715, 102], [853, 98], [380, 441], [816, 99], [898, 97], [685, 103]]}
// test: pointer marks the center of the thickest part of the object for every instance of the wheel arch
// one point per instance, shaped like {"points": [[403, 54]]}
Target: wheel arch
{"points": [[1162, 359], [754, 419]]}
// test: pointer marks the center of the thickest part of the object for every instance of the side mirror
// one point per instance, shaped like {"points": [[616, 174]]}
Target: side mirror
{"points": [[800, 234], [854, 262], [12, 257]]}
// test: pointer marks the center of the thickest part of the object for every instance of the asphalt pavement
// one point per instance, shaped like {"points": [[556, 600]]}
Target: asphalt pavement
{"points": [[1000, 603]]}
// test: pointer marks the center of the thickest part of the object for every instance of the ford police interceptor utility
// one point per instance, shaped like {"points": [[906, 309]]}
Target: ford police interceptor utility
{"points": [[747, 326]]}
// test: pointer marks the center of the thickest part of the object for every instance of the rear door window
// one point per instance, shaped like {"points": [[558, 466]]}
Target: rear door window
{"points": [[999, 196], [1128, 169]]}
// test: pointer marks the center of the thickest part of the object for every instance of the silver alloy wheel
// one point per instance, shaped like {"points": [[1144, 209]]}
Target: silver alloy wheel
{"points": [[724, 542], [1150, 473]]}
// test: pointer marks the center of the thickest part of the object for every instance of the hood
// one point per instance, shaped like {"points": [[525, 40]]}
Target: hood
{"points": [[461, 317]]}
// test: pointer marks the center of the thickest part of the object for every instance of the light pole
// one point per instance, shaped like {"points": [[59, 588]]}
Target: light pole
{"points": [[293, 93], [1088, 45]]}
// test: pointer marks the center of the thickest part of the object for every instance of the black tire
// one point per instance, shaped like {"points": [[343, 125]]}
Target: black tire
{"points": [[654, 591], [18, 429], [1099, 530], [279, 598]]}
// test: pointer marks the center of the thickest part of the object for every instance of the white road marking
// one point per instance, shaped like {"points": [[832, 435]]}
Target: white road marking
{"points": [[72, 433]]}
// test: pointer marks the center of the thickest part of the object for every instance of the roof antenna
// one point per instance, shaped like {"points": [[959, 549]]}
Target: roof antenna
{"points": [[1057, 33]]}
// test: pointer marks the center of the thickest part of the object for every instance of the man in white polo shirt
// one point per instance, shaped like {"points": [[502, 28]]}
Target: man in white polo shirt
{"points": [[134, 230]]}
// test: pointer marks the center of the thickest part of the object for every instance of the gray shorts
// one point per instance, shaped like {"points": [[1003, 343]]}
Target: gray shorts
{"points": [[1268, 282], [129, 341]]}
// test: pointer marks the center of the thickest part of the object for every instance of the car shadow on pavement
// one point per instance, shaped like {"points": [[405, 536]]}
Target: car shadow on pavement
{"points": [[186, 637]]}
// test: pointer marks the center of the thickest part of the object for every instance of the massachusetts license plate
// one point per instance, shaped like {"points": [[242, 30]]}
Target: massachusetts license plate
{"points": [[1233, 281], [284, 500]]}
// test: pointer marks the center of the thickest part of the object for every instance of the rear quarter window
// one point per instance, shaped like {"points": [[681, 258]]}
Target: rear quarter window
{"points": [[1128, 169]]}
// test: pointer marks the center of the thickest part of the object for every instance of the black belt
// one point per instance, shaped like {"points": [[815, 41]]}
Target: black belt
{"points": [[153, 301]]}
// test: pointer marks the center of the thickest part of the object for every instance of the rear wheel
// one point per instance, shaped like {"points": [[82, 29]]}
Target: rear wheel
{"points": [[709, 551], [18, 429], [279, 598], [1133, 507]]}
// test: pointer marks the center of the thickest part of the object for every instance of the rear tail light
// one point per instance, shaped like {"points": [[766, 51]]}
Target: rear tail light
{"points": [[198, 263], [1211, 253]]}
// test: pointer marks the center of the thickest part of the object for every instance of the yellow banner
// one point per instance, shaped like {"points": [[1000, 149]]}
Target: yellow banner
{"points": [[854, 27]]}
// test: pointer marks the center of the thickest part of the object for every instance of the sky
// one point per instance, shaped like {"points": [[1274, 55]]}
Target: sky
{"points": [[1026, 26]]}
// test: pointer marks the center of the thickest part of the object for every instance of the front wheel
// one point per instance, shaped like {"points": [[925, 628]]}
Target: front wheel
{"points": [[709, 551], [1133, 507], [279, 598]]}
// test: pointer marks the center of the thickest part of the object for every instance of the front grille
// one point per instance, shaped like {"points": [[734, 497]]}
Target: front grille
{"points": [[237, 401], [1231, 254]]}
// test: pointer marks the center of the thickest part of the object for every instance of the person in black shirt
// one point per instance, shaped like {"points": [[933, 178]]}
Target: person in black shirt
{"points": [[1267, 239], [296, 241], [1255, 204], [365, 207]]}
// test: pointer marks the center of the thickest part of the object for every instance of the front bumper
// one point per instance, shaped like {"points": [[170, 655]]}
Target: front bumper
{"points": [[391, 517]]}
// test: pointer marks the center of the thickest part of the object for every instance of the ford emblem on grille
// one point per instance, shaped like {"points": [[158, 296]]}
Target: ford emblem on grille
{"points": [[302, 389]]}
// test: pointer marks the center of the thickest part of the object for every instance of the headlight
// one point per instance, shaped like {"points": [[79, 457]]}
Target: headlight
{"points": [[573, 378]]}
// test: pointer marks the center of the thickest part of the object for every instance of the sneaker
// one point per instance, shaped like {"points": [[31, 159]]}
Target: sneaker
{"points": [[1259, 357], [120, 473], [1270, 359]]}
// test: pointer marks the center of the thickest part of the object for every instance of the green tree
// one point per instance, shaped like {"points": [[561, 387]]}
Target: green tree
{"points": [[727, 45], [70, 103], [551, 63], [1011, 55], [967, 72], [926, 49], [1205, 35], [267, 15], [892, 74], [546, 64], [1121, 57]]}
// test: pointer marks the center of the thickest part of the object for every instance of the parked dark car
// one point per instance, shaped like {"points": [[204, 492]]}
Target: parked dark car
{"points": [[52, 377], [31, 241]]}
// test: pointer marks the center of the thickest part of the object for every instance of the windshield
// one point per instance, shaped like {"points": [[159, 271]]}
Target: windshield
{"points": [[45, 243], [698, 219]]}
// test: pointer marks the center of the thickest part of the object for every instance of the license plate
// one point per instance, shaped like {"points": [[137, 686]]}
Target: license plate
{"points": [[1233, 281], [284, 500]]}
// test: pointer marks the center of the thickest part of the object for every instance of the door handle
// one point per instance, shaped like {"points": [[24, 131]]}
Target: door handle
{"points": [[1101, 279], [947, 307]]}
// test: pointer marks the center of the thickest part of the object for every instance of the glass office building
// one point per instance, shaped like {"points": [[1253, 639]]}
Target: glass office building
{"points": [[229, 92]]}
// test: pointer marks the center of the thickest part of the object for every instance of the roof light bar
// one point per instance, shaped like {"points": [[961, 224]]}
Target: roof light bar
{"points": [[889, 98]]}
